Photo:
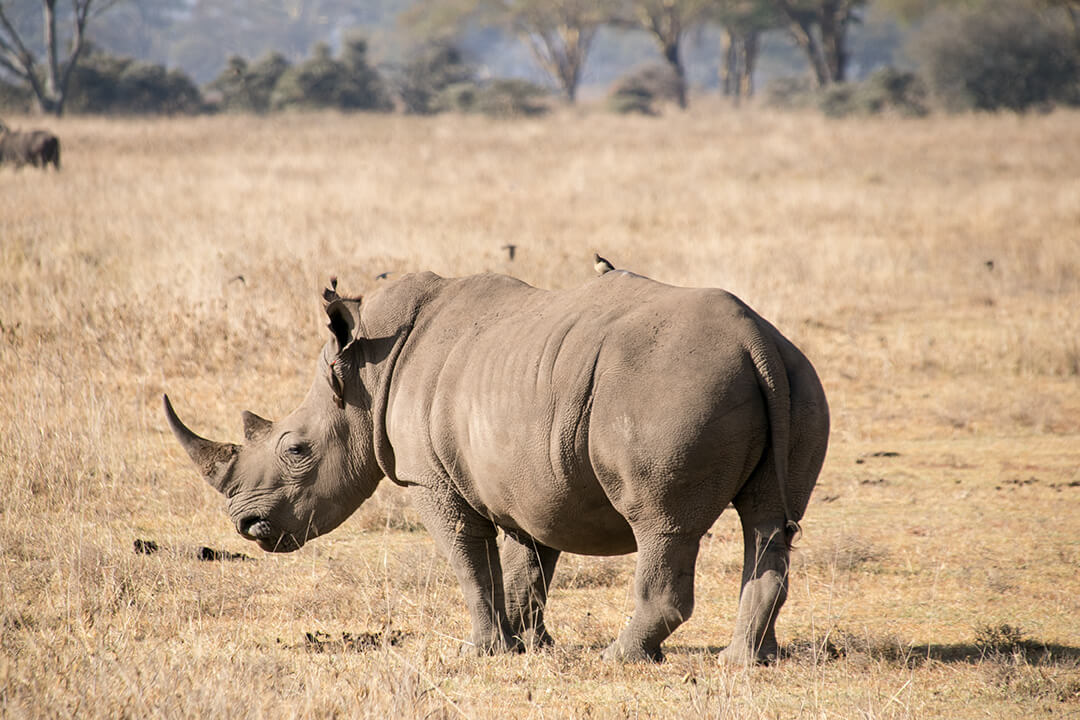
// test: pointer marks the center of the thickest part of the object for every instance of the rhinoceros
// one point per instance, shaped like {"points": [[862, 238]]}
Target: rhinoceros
{"points": [[623, 415], [36, 147]]}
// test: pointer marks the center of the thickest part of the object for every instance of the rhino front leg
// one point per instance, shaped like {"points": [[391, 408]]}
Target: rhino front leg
{"points": [[764, 590], [528, 567], [468, 540], [664, 589]]}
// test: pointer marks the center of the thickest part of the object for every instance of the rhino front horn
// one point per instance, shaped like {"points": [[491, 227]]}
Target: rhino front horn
{"points": [[214, 460]]}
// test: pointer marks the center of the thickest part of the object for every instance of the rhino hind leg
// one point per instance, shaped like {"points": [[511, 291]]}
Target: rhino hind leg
{"points": [[664, 595], [764, 589], [528, 567]]}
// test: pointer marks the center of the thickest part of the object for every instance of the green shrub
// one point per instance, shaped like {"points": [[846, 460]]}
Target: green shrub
{"points": [[838, 100], [791, 93], [364, 88], [633, 100], [894, 90], [262, 77], [322, 81], [507, 97], [459, 97], [500, 97], [999, 54], [639, 90], [95, 83], [887, 90], [146, 88], [247, 88], [428, 73], [15, 98], [103, 83]]}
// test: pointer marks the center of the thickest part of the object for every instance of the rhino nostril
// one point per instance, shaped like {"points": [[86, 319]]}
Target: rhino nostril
{"points": [[252, 526]]}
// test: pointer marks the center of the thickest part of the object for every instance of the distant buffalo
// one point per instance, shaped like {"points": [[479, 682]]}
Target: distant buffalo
{"points": [[37, 148]]}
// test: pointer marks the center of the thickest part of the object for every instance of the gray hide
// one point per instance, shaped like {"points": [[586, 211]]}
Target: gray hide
{"points": [[622, 415]]}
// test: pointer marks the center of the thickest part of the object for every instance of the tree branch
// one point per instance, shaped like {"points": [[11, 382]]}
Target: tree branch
{"points": [[17, 58], [7, 64], [15, 47], [82, 12]]}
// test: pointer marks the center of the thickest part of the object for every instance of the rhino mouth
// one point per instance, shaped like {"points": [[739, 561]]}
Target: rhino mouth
{"points": [[269, 538]]}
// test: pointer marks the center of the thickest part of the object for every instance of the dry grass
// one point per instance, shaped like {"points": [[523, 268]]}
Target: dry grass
{"points": [[939, 582]]}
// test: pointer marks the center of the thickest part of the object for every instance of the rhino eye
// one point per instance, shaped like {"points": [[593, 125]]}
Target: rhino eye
{"points": [[298, 450]]}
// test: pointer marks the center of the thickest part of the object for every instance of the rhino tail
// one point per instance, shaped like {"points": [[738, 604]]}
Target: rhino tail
{"points": [[773, 381]]}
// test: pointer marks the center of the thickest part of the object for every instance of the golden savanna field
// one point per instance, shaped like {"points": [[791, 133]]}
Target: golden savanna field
{"points": [[929, 268]]}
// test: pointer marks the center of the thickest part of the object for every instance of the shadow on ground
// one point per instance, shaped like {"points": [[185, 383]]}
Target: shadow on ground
{"points": [[1027, 651]]}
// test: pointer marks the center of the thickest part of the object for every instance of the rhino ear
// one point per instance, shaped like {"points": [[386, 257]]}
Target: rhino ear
{"points": [[255, 427], [344, 317]]}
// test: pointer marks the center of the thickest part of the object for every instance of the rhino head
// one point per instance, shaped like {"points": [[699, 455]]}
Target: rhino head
{"points": [[301, 476]]}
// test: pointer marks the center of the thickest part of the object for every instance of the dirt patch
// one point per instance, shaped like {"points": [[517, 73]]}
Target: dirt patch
{"points": [[320, 641], [210, 555], [145, 547], [149, 547], [878, 454]]}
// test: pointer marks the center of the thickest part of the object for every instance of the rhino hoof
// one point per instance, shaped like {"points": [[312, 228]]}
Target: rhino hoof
{"points": [[617, 653], [540, 640], [735, 656], [496, 647]]}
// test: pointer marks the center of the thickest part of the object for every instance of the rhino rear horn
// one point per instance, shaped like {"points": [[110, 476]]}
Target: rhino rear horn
{"points": [[215, 460]]}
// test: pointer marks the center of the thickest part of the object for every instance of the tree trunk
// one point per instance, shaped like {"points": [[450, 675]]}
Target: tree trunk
{"points": [[803, 31], [750, 46], [727, 63], [562, 53], [51, 100], [740, 50], [671, 54], [834, 22]]}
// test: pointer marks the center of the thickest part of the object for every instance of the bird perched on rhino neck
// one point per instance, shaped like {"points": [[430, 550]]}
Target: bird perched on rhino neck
{"points": [[602, 265]]}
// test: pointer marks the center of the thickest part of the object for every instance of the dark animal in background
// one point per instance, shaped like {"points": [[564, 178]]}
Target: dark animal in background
{"points": [[39, 148]]}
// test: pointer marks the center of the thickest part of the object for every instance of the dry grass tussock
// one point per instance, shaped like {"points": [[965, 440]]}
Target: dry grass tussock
{"points": [[931, 270]]}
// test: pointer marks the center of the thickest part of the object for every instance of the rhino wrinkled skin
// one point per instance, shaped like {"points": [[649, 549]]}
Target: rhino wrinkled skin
{"points": [[622, 415]]}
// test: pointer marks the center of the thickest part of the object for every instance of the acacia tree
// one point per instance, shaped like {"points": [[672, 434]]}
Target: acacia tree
{"points": [[48, 78], [668, 22], [820, 28], [743, 22], [558, 33]]}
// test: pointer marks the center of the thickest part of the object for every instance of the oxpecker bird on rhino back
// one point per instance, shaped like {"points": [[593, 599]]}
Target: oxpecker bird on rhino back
{"points": [[623, 415]]}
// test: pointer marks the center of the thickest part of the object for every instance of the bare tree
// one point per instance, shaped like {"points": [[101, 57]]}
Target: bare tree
{"points": [[48, 78], [559, 33], [820, 29], [667, 21], [743, 22]]}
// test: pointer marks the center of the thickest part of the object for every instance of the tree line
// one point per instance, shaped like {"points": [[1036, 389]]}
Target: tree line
{"points": [[971, 53]]}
